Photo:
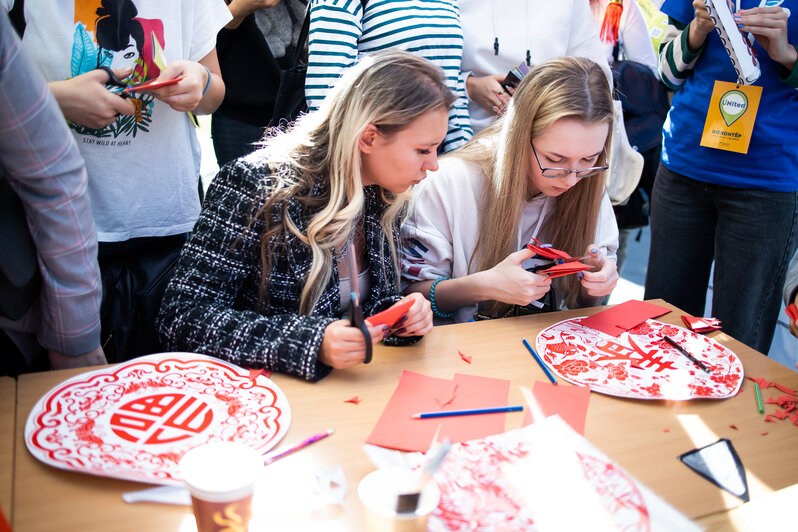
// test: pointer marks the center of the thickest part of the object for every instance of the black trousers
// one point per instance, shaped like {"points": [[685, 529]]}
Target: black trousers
{"points": [[135, 274]]}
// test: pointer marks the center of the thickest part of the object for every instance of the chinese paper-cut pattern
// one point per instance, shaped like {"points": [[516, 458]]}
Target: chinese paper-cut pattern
{"points": [[639, 363], [135, 421]]}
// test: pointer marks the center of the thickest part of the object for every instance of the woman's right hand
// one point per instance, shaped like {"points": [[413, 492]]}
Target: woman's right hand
{"points": [[700, 26], [488, 92], [343, 346], [513, 284]]}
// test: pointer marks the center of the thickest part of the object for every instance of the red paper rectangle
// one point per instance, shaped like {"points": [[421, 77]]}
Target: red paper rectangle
{"points": [[419, 393], [623, 317], [568, 402]]}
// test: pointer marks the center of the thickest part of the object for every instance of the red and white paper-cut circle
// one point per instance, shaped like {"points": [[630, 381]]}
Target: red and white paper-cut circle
{"points": [[639, 364], [135, 421]]}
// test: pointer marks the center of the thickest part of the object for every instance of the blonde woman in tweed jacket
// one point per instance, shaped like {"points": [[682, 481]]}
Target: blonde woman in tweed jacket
{"points": [[260, 282]]}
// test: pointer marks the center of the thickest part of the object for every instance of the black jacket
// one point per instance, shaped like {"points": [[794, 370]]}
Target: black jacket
{"points": [[211, 304]]}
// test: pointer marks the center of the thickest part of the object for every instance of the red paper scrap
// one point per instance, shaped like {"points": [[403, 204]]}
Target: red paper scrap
{"points": [[568, 402], [733, 427], [787, 403], [792, 312], [765, 433], [255, 373], [450, 400], [354, 400], [391, 315], [666, 430], [762, 382], [623, 317], [419, 393], [701, 325], [464, 356]]}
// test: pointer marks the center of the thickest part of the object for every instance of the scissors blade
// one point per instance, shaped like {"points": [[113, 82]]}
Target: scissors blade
{"points": [[353, 277], [356, 311]]}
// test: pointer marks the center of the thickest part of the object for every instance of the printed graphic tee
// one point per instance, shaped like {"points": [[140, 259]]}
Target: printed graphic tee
{"points": [[143, 169]]}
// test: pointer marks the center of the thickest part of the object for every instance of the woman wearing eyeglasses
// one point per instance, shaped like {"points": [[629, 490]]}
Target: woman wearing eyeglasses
{"points": [[537, 172]]}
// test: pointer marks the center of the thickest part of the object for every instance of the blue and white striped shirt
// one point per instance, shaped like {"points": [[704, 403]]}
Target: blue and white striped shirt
{"points": [[341, 30]]}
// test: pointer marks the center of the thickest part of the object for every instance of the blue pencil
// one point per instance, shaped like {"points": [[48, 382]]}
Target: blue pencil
{"points": [[540, 362], [498, 409]]}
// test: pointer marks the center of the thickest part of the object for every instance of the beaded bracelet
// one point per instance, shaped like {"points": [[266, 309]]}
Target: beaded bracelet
{"points": [[432, 299], [208, 84]]}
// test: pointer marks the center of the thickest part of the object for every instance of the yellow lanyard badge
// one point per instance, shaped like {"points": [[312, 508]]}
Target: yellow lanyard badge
{"points": [[731, 116]]}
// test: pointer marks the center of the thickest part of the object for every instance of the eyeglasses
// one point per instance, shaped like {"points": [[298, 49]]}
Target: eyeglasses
{"points": [[562, 172]]}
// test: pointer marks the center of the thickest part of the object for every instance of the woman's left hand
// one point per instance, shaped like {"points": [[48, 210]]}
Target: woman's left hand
{"points": [[769, 27], [185, 95], [418, 319], [602, 279]]}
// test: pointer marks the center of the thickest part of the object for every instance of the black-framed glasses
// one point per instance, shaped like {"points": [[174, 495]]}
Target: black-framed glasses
{"points": [[562, 172]]}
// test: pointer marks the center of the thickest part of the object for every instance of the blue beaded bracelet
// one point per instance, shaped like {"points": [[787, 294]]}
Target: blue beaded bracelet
{"points": [[432, 299], [208, 83]]}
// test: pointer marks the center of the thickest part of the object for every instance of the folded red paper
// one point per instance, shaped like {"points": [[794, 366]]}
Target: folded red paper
{"points": [[792, 312], [561, 262], [391, 315], [623, 317], [701, 325]]}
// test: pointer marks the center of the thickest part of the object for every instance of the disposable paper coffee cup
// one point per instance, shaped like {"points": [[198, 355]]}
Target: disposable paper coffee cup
{"points": [[379, 492], [221, 477]]}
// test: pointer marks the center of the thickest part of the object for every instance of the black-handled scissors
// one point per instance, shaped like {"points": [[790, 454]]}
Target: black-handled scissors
{"points": [[114, 81], [355, 310]]}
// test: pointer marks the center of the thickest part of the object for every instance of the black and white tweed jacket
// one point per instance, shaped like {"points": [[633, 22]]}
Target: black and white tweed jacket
{"points": [[211, 305]]}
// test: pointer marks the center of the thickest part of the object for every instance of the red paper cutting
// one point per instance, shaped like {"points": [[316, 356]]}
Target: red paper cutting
{"points": [[464, 356], [701, 325], [792, 312], [419, 393], [547, 251], [623, 317], [557, 270], [391, 315], [733, 427], [787, 403], [568, 402], [354, 400]]}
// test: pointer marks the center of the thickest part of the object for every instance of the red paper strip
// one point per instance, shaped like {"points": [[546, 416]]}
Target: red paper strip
{"points": [[464, 356], [391, 315], [792, 312], [623, 317], [152, 85], [354, 400]]}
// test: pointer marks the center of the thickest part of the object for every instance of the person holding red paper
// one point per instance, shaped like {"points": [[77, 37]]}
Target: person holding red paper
{"points": [[538, 172], [267, 273]]}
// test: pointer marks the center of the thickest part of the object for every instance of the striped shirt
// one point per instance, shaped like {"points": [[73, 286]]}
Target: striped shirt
{"points": [[341, 30]]}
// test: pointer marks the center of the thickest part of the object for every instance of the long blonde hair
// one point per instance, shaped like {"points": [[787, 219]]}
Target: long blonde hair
{"points": [[566, 87], [388, 89]]}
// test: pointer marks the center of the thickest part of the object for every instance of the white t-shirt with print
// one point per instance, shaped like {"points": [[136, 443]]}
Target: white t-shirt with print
{"points": [[143, 170]]}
